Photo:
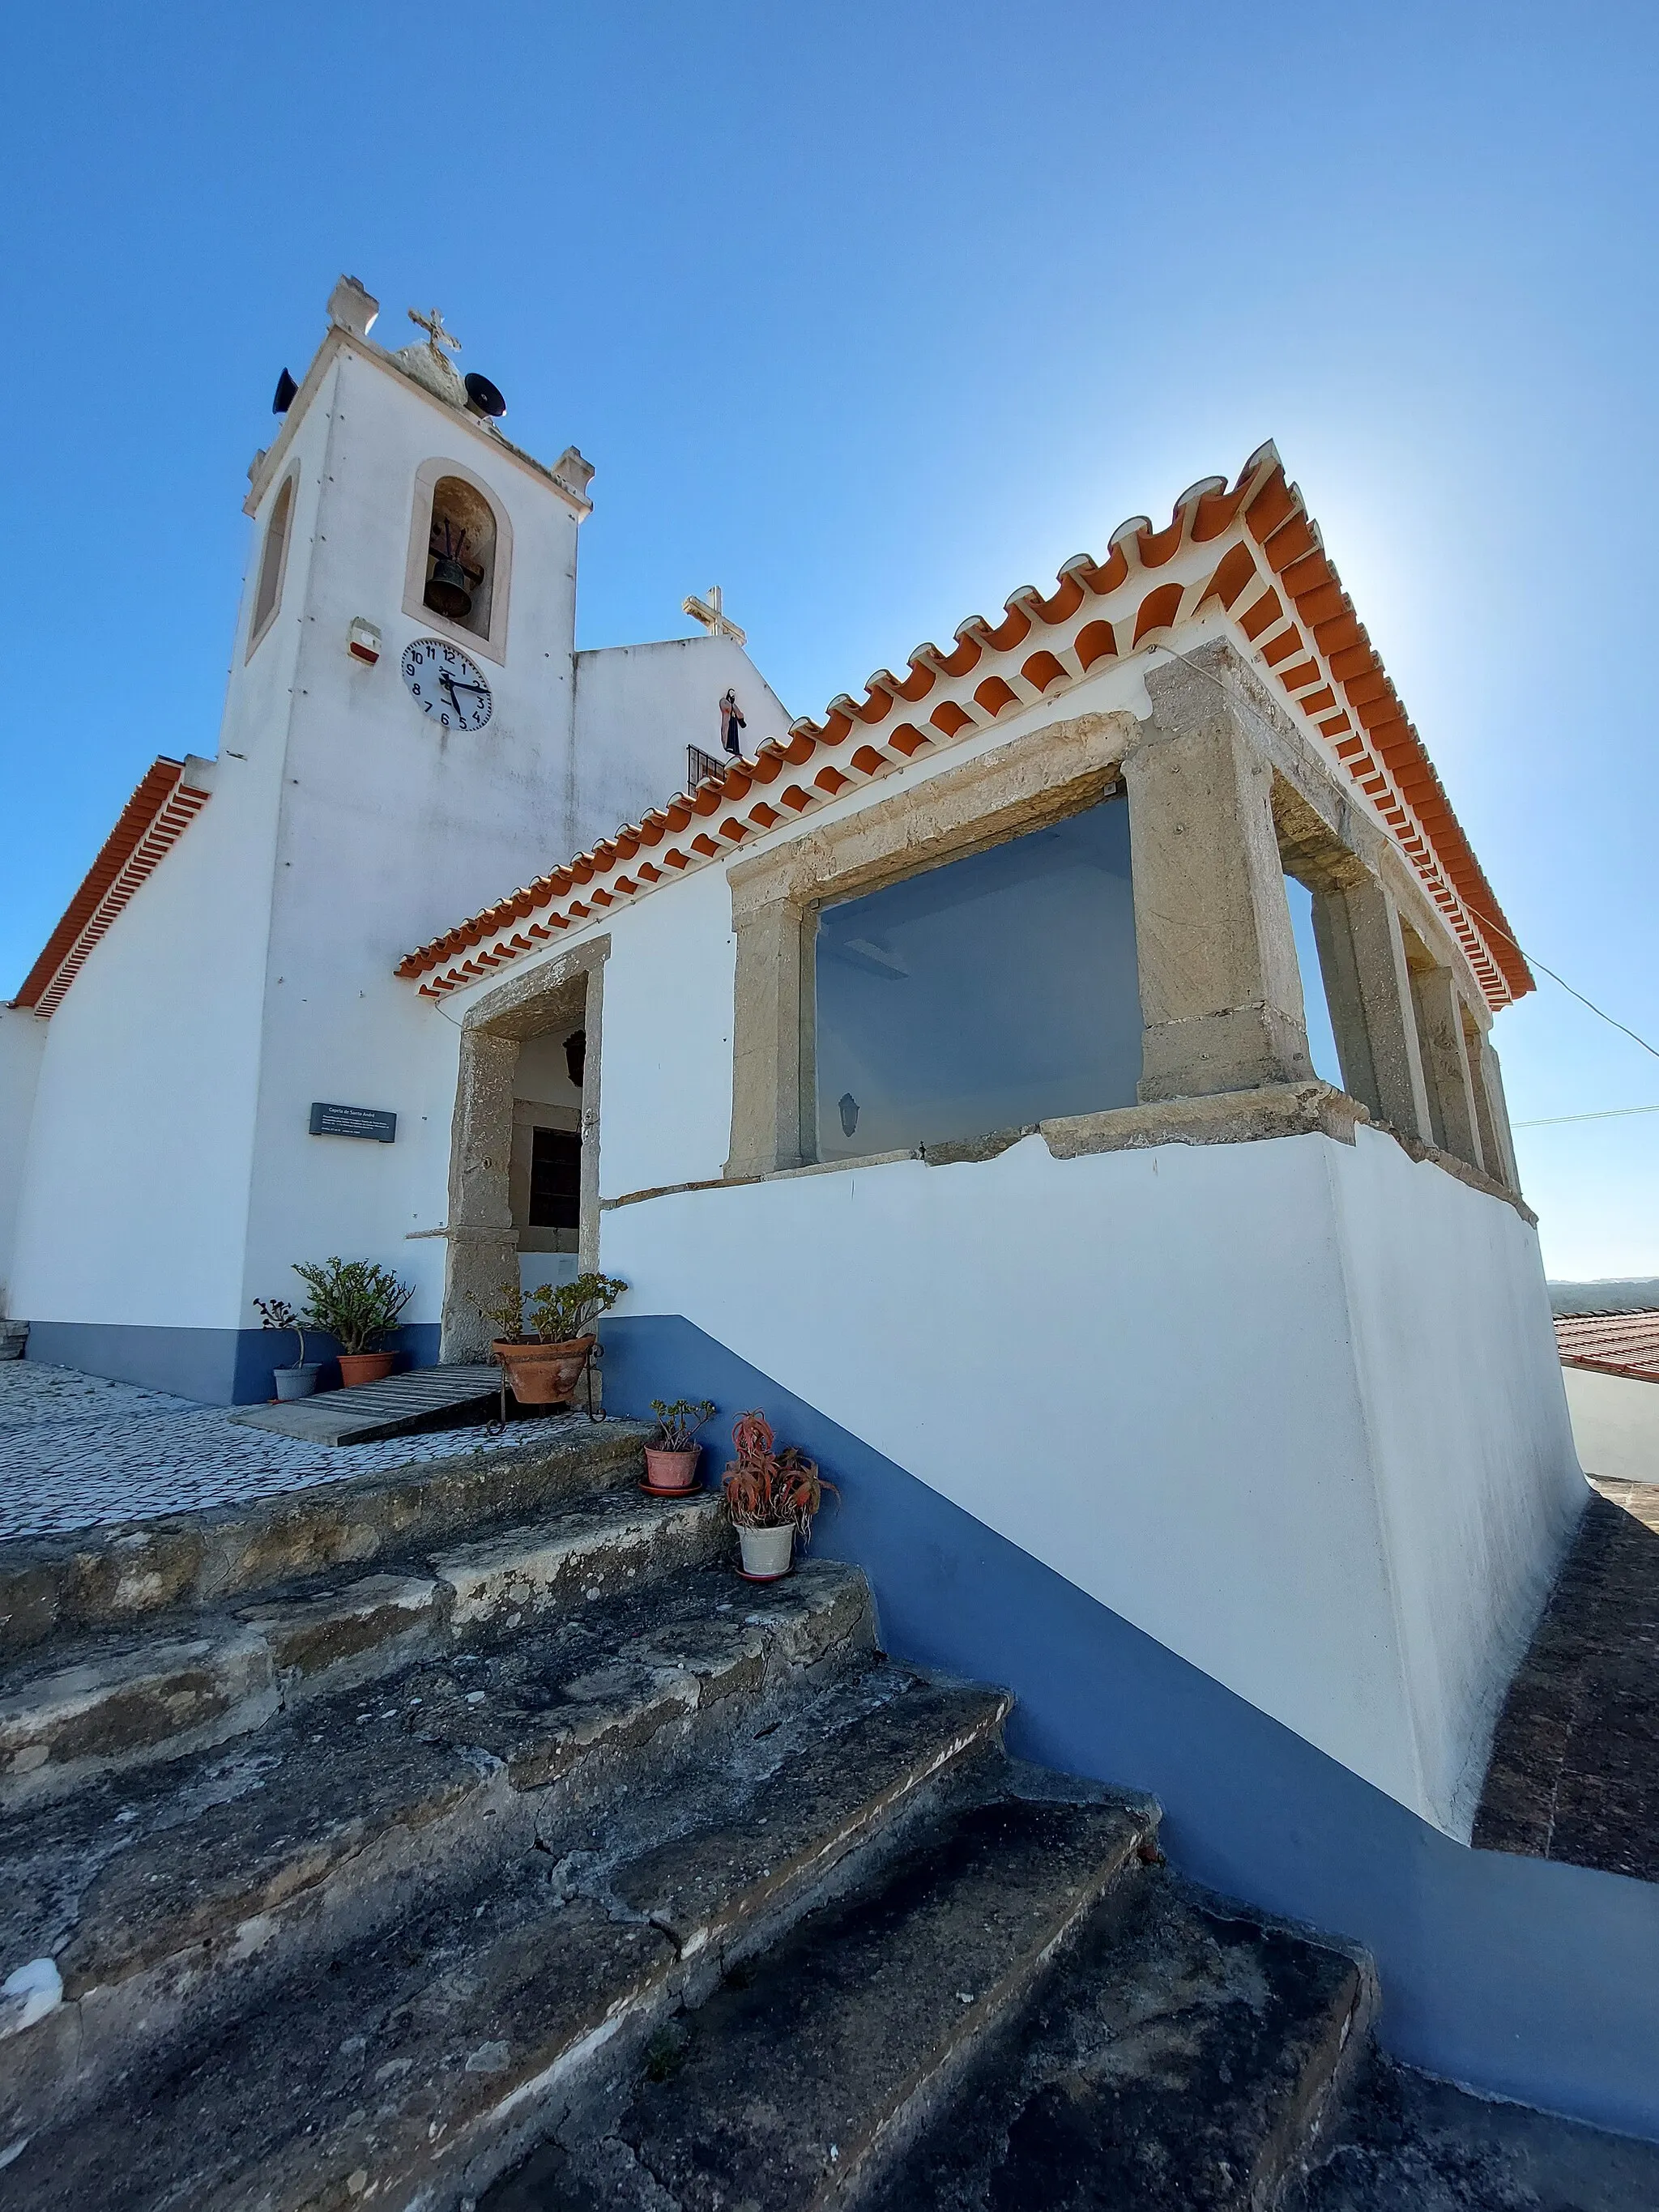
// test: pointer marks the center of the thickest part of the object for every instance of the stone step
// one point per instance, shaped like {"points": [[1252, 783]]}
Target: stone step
{"points": [[164, 1895], [792, 2088], [1181, 2055], [80, 1709], [108, 1578], [419, 2063]]}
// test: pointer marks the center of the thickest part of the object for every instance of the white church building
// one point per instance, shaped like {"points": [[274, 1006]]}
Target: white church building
{"points": [[1056, 1085], [941, 1067]]}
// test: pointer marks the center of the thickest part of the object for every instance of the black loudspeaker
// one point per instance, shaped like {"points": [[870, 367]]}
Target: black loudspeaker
{"points": [[481, 395], [287, 392]]}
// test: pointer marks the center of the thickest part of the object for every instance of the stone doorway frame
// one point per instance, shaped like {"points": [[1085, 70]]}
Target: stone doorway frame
{"points": [[563, 993]]}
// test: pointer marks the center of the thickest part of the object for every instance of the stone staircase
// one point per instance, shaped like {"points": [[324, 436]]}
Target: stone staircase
{"points": [[473, 1836]]}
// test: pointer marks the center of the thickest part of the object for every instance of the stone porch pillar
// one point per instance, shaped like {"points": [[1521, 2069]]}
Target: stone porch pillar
{"points": [[482, 1246], [1220, 992], [772, 1112], [1368, 988], [1446, 1066]]}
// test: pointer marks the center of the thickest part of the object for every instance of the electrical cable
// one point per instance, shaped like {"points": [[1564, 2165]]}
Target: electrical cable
{"points": [[1605, 1113], [1487, 923]]}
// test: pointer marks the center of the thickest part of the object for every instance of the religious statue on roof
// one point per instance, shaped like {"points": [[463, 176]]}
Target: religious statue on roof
{"points": [[731, 725]]}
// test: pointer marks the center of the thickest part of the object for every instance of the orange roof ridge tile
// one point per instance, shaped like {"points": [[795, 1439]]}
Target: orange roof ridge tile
{"points": [[1272, 578]]}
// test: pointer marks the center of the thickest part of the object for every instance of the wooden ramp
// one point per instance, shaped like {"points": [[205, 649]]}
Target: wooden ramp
{"points": [[396, 1408]]}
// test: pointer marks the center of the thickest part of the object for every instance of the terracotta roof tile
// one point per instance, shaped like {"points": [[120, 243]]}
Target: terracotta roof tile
{"points": [[1611, 1344], [1261, 532]]}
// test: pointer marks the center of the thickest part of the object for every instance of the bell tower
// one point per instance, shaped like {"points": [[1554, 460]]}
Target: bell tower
{"points": [[400, 723]]}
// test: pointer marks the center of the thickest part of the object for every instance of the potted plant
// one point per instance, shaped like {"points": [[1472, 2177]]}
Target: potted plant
{"points": [[670, 1457], [545, 1339], [300, 1380], [771, 1497], [357, 1303]]}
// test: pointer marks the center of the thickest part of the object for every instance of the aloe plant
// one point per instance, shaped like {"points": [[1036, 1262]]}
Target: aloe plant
{"points": [[766, 1488]]}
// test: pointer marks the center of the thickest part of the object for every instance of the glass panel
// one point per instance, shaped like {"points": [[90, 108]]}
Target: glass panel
{"points": [[1321, 1038], [556, 1179], [997, 990]]}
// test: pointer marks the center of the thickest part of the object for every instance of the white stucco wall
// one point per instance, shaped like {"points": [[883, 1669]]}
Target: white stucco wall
{"points": [[666, 1090], [1615, 1425], [1291, 1407], [137, 1179], [1173, 1376], [22, 1044], [638, 707]]}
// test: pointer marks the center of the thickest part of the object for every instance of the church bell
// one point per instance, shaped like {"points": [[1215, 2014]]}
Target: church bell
{"points": [[446, 592]]}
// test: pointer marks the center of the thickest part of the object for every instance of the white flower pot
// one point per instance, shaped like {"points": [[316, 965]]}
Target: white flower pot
{"points": [[296, 1381], [766, 1552]]}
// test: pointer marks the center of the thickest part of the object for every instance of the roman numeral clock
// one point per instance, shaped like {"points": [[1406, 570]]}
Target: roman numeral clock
{"points": [[447, 686]]}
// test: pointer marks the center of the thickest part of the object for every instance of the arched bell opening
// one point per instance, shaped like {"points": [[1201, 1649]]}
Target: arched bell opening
{"points": [[460, 555]]}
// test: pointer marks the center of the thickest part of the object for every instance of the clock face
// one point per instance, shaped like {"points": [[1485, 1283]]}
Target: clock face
{"points": [[445, 685]]}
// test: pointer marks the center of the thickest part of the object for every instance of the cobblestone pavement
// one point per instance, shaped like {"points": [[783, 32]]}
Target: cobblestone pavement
{"points": [[77, 1450]]}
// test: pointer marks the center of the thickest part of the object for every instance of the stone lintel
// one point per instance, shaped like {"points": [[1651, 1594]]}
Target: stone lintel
{"points": [[1235, 1117]]}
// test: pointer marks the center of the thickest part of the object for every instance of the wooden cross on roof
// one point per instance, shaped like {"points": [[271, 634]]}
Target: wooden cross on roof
{"points": [[711, 614], [436, 335]]}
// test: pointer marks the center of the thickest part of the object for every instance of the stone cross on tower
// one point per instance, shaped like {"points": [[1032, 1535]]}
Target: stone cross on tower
{"points": [[436, 335], [711, 614]]}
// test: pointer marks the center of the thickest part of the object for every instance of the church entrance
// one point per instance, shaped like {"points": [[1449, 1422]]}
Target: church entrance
{"points": [[524, 1186], [544, 1175]]}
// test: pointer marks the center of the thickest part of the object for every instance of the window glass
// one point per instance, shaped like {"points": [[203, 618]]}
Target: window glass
{"points": [[996, 990], [1316, 1011], [556, 1179]]}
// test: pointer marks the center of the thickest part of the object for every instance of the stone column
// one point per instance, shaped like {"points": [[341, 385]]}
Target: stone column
{"points": [[482, 1250], [771, 1125], [1369, 987], [1445, 1065], [1503, 1167], [1220, 993]]}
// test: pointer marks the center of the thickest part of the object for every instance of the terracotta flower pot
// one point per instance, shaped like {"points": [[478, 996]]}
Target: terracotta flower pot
{"points": [[543, 1374], [671, 1470], [767, 1552], [365, 1367]]}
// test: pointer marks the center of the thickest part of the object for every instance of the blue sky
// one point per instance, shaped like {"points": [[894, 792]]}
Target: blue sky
{"points": [[872, 314]]}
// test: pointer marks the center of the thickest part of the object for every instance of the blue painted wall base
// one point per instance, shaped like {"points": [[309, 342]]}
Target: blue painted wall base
{"points": [[1524, 1977], [217, 1366]]}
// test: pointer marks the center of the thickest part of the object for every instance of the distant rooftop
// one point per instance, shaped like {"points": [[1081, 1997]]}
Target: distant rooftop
{"points": [[1614, 1294], [1625, 1344]]}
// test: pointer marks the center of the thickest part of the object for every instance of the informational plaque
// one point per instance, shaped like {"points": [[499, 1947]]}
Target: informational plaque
{"points": [[370, 1121]]}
